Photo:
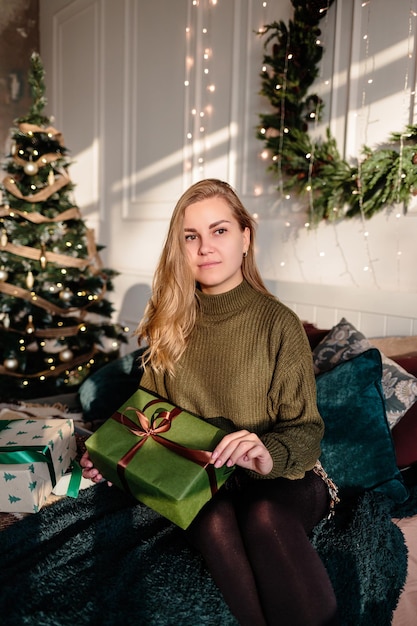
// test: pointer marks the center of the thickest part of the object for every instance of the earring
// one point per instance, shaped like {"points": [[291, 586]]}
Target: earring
{"points": [[245, 254]]}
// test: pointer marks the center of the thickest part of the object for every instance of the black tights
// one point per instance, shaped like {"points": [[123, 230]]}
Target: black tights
{"points": [[255, 541]]}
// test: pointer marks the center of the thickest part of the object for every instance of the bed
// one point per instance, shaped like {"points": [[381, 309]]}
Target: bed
{"points": [[59, 565]]}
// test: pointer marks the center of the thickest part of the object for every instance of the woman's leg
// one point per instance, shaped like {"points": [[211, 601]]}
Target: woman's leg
{"points": [[275, 520], [216, 535], [257, 549]]}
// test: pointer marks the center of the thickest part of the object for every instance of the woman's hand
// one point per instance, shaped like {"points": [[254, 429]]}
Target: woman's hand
{"points": [[244, 449], [89, 471]]}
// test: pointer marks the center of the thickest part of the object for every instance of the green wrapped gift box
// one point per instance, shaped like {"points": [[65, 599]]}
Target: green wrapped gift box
{"points": [[159, 453]]}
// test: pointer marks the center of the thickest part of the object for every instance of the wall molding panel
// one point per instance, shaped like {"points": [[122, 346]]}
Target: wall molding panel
{"points": [[139, 137]]}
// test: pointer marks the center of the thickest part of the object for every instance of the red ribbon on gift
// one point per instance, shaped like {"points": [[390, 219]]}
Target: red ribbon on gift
{"points": [[160, 423]]}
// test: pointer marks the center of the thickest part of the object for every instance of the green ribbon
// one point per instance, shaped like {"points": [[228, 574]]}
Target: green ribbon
{"points": [[14, 455], [4, 423], [11, 455], [75, 480]]}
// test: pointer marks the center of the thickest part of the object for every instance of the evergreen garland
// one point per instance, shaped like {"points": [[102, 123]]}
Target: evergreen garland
{"points": [[335, 189]]}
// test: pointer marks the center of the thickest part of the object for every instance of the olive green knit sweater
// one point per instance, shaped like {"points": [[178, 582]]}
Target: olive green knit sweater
{"points": [[248, 360]]}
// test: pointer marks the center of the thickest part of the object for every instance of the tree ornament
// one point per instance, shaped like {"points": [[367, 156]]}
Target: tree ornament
{"points": [[30, 280], [11, 363], [51, 177], [3, 238], [3, 274], [30, 327], [66, 355], [414, 159], [42, 257], [6, 320], [109, 344], [31, 168], [66, 294]]}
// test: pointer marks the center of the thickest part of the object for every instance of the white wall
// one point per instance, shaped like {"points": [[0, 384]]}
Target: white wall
{"points": [[115, 84]]}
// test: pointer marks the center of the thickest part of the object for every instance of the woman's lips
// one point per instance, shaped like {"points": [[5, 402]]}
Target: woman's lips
{"points": [[208, 264]]}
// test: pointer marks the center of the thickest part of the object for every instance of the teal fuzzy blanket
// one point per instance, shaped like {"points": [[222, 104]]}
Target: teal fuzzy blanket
{"points": [[104, 559]]}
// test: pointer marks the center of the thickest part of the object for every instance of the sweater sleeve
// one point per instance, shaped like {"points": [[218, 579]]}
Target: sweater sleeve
{"points": [[294, 439]]}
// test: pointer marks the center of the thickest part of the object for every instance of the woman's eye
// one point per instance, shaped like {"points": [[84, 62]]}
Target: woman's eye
{"points": [[220, 231], [190, 237]]}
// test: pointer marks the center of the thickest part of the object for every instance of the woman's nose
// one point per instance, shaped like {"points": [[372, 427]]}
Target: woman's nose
{"points": [[205, 247]]}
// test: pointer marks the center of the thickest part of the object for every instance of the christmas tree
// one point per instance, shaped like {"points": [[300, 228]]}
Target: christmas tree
{"points": [[55, 320]]}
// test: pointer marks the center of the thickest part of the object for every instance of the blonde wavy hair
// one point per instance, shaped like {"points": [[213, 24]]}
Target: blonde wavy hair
{"points": [[171, 312]]}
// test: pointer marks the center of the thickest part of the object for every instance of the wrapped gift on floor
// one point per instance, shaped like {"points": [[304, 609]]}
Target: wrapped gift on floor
{"points": [[159, 453], [34, 454]]}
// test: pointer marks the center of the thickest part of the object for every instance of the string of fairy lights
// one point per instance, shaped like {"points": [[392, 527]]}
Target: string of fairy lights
{"points": [[199, 85], [407, 106], [366, 80]]}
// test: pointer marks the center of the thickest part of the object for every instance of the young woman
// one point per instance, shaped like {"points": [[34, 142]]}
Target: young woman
{"points": [[221, 346]]}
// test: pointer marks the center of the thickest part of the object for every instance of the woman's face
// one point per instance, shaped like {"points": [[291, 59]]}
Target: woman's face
{"points": [[215, 245]]}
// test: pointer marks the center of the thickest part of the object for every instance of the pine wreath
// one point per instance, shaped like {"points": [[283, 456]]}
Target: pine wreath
{"points": [[335, 189]]}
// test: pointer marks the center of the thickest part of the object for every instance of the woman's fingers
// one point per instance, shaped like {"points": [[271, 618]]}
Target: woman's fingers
{"points": [[244, 449], [89, 471]]}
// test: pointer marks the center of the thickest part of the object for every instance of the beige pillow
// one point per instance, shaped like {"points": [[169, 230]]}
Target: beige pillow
{"points": [[395, 346]]}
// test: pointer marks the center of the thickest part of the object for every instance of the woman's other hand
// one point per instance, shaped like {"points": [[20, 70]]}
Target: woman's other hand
{"points": [[244, 449], [89, 471]]}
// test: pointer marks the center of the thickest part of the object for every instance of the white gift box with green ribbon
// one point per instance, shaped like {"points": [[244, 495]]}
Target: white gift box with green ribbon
{"points": [[34, 454]]}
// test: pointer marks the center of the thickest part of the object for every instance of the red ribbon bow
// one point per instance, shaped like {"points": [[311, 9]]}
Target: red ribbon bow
{"points": [[159, 423]]}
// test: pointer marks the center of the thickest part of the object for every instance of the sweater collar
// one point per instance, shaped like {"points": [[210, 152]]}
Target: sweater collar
{"points": [[232, 300]]}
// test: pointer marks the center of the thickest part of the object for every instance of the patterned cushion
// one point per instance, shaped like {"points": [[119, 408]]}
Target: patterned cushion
{"points": [[342, 343]]}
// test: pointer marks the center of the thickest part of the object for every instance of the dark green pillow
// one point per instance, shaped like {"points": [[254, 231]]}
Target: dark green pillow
{"points": [[357, 448], [102, 393]]}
